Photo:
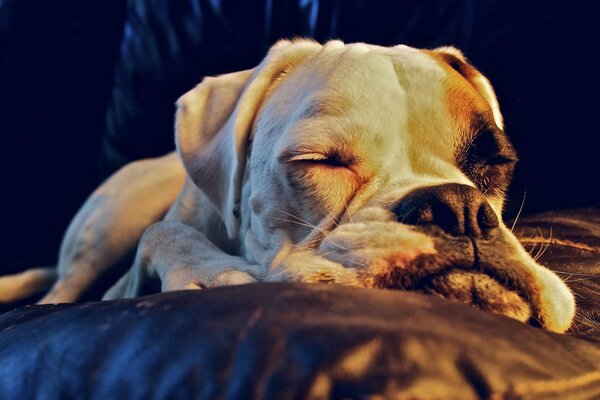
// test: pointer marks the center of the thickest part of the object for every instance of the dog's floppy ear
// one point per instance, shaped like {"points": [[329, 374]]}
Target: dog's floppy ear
{"points": [[457, 60], [214, 121]]}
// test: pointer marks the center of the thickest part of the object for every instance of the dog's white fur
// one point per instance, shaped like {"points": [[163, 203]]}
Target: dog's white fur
{"points": [[258, 204]]}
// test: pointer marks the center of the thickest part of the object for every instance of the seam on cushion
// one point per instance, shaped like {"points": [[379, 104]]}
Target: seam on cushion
{"points": [[554, 386]]}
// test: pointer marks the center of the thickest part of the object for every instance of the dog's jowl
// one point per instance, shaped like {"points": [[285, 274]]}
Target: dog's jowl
{"points": [[341, 163]]}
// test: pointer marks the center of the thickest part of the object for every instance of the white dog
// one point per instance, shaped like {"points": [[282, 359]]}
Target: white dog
{"points": [[352, 164]]}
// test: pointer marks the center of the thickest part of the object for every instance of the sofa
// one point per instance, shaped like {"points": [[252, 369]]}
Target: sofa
{"points": [[90, 86]]}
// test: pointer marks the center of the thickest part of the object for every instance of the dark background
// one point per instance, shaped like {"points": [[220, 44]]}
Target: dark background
{"points": [[86, 86]]}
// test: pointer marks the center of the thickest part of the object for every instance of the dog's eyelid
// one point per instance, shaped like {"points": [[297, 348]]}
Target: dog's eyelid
{"points": [[492, 146], [328, 157], [321, 159], [305, 157]]}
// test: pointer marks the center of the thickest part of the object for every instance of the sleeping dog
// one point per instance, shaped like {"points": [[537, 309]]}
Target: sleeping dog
{"points": [[353, 164]]}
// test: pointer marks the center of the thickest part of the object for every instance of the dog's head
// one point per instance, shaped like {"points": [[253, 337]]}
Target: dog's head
{"points": [[368, 166]]}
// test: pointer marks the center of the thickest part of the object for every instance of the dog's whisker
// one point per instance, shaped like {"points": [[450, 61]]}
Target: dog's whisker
{"points": [[291, 215], [348, 212], [537, 320], [533, 247], [309, 225], [542, 243], [577, 294], [487, 190], [539, 253], [537, 257], [568, 280], [526, 240], [578, 317], [333, 242], [576, 274], [334, 221], [519, 212], [314, 242], [302, 223], [325, 254], [533, 241], [583, 279], [279, 243]]}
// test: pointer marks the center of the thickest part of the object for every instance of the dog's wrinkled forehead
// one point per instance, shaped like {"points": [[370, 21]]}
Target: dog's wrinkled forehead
{"points": [[399, 116], [395, 105]]}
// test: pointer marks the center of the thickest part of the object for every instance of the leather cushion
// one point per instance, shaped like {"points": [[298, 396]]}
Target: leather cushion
{"points": [[283, 340]]}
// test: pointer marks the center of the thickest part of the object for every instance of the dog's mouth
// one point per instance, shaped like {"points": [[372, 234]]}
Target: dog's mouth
{"points": [[481, 274], [491, 274], [477, 289], [489, 289]]}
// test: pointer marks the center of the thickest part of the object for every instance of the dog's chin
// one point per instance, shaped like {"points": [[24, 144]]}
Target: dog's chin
{"points": [[479, 290]]}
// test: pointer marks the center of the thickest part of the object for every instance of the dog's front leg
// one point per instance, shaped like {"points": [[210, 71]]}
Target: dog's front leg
{"points": [[174, 256]]}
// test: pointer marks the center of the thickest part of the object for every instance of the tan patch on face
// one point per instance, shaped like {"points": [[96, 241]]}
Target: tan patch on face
{"points": [[384, 273], [463, 100]]}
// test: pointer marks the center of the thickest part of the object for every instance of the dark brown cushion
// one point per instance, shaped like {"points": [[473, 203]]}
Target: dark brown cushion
{"points": [[284, 340]]}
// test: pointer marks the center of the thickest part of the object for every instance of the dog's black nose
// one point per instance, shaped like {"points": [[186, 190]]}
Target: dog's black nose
{"points": [[459, 210]]}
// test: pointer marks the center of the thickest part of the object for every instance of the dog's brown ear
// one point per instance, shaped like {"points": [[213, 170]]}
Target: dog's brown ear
{"points": [[214, 122], [457, 60]]}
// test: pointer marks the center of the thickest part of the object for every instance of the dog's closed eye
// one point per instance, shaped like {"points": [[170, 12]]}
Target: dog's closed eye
{"points": [[488, 146], [329, 177], [331, 160], [488, 159]]}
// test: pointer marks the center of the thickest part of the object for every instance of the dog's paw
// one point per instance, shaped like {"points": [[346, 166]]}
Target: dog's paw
{"points": [[189, 278]]}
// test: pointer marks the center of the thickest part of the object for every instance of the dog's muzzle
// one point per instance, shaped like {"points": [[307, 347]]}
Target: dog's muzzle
{"points": [[459, 217]]}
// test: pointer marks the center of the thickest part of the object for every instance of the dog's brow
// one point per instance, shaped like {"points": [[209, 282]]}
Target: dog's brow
{"points": [[329, 104], [322, 133]]}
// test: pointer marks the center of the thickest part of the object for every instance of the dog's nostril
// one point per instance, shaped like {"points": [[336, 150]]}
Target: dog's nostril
{"points": [[486, 217], [447, 218], [459, 210]]}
